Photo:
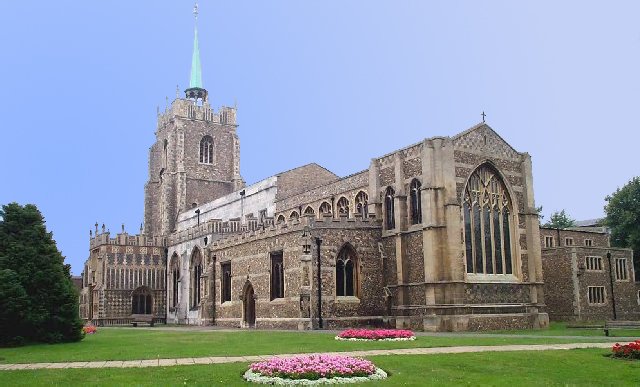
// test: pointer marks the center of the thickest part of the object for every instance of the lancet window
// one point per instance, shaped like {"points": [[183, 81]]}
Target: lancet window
{"points": [[346, 272], [389, 209], [416, 201], [362, 200]]}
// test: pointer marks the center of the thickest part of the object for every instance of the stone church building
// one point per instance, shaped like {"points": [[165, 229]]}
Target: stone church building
{"points": [[439, 235]]}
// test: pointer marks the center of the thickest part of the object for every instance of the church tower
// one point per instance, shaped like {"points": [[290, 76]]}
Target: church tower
{"points": [[196, 156]]}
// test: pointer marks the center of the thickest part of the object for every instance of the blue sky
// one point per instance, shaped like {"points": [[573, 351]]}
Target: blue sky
{"points": [[332, 82]]}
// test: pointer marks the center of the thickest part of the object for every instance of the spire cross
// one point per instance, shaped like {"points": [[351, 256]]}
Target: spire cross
{"points": [[483, 116]]}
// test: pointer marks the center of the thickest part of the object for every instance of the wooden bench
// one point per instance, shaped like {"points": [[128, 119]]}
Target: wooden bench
{"points": [[142, 319], [615, 324]]}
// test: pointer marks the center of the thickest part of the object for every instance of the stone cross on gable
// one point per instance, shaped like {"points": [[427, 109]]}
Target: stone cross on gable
{"points": [[483, 116]]}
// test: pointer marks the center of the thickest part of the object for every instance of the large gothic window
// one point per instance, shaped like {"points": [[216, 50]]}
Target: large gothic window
{"points": [[346, 272], [416, 202], [141, 301], [487, 213], [389, 210], [361, 204], [206, 150], [196, 276], [175, 280], [343, 206]]}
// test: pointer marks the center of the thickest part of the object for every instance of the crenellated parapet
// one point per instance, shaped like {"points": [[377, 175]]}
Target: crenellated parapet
{"points": [[124, 239], [297, 225], [185, 108]]}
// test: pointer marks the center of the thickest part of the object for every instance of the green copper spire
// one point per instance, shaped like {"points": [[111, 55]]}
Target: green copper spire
{"points": [[196, 69]]}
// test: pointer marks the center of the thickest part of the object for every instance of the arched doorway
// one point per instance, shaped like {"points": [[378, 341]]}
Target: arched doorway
{"points": [[249, 304]]}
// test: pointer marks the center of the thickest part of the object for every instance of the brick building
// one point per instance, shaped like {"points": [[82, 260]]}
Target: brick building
{"points": [[585, 278]]}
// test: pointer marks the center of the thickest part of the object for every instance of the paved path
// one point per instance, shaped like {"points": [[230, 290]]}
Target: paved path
{"points": [[235, 359]]}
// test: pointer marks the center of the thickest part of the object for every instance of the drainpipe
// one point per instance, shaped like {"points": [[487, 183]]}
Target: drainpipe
{"points": [[613, 296], [319, 278]]}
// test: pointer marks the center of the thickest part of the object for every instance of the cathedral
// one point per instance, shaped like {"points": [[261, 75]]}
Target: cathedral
{"points": [[442, 235]]}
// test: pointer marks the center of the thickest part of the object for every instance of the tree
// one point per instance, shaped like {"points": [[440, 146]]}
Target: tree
{"points": [[623, 219], [13, 303], [560, 219], [29, 252]]}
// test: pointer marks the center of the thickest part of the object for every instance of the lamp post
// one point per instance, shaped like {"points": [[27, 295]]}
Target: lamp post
{"points": [[319, 278], [613, 296]]}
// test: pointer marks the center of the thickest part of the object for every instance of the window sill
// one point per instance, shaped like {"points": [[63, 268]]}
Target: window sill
{"points": [[492, 278], [279, 300], [347, 300]]}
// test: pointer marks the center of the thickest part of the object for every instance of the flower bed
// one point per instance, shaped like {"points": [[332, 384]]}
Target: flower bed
{"points": [[313, 369], [89, 329], [376, 335], [627, 351]]}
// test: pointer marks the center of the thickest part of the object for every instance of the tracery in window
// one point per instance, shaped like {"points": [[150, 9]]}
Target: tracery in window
{"points": [[362, 200], [487, 223], [206, 150], [346, 272], [294, 215], [325, 209], [196, 276], [280, 219], [309, 211], [416, 201], [343, 206], [389, 209]]}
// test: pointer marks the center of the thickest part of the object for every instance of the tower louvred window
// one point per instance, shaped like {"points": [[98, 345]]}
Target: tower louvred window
{"points": [[206, 150], [487, 211]]}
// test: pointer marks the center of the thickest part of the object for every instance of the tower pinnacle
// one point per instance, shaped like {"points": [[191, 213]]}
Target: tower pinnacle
{"points": [[195, 90]]}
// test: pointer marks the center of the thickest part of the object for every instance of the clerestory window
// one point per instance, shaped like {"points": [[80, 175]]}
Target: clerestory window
{"points": [[362, 204]]}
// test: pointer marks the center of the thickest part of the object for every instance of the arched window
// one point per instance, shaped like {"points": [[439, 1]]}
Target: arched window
{"points": [[309, 211], [416, 202], [325, 209], [196, 276], [206, 150], [346, 272], [141, 301], [487, 213], [281, 219], [389, 210], [175, 280], [294, 215], [362, 200], [343, 206]]}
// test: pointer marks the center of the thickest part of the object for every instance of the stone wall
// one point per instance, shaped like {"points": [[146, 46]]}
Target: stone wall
{"points": [[569, 276]]}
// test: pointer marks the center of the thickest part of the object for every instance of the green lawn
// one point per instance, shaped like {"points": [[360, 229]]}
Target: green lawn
{"points": [[560, 329], [131, 344], [561, 368]]}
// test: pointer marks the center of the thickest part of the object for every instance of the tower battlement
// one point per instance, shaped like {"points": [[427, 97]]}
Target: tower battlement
{"points": [[188, 109], [124, 239]]}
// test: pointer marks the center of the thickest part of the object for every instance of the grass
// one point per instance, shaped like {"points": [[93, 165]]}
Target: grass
{"points": [[131, 344], [560, 329], [535, 368]]}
